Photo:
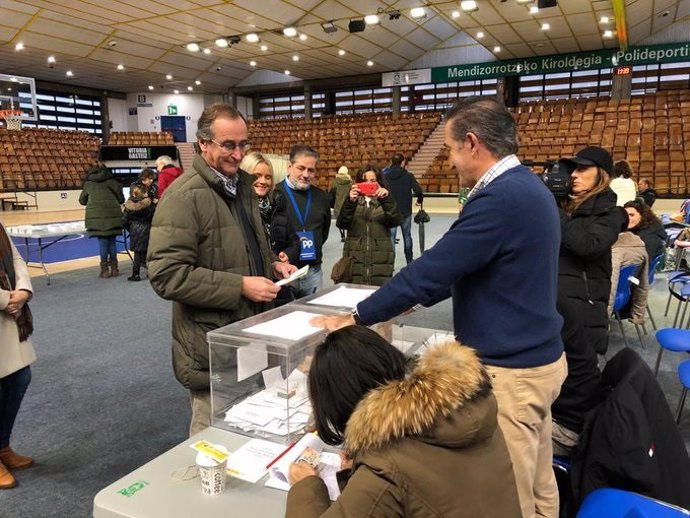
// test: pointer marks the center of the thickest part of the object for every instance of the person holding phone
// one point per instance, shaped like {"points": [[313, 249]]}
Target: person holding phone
{"points": [[368, 214]]}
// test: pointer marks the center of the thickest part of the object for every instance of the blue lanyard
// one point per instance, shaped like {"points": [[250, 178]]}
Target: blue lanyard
{"points": [[302, 219]]}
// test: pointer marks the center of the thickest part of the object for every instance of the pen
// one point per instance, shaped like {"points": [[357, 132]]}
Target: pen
{"points": [[281, 455]]}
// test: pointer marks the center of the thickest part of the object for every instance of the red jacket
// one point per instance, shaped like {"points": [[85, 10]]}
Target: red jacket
{"points": [[166, 177]]}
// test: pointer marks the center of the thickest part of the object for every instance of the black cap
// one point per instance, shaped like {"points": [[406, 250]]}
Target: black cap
{"points": [[592, 155]]}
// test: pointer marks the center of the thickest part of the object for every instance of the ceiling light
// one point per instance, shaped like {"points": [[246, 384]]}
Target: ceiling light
{"points": [[480, 35], [417, 12], [51, 59], [120, 67], [14, 79], [295, 58], [290, 32], [197, 82], [604, 19], [341, 52], [370, 63], [287, 72], [455, 14], [207, 51], [69, 73], [19, 46], [497, 49], [151, 87], [524, 1], [252, 63], [371, 19], [329, 27], [193, 47], [264, 48], [168, 77], [534, 9], [608, 34], [469, 5], [545, 26], [190, 88], [252, 37], [303, 37], [176, 92], [222, 42], [394, 14]]}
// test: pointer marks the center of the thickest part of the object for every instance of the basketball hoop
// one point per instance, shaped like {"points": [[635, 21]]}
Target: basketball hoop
{"points": [[12, 118]]}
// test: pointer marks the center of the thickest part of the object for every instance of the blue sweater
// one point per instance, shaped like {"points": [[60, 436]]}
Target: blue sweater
{"points": [[499, 262]]}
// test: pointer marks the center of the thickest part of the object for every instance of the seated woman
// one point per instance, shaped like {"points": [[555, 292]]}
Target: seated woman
{"points": [[647, 226], [628, 250], [423, 442], [368, 220]]}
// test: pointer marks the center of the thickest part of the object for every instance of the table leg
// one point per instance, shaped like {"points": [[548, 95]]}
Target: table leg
{"points": [[40, 259]]}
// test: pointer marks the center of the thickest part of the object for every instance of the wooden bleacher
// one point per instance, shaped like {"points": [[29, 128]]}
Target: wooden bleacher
{"points": [[141, 138]]}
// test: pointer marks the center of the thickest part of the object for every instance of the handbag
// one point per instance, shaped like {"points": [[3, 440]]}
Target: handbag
{"points": [[342, 270], [421, 217]]}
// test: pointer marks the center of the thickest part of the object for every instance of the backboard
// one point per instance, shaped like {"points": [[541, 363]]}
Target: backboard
{"points": [[19, 93]]}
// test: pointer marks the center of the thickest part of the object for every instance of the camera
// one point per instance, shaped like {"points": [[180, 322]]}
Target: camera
{"points": [[556, 176]]}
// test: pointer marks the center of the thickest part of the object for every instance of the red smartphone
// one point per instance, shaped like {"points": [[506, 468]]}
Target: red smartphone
{"points": [[368, 188]]}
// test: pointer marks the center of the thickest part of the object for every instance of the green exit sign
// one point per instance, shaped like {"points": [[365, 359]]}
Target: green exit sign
{"points": [[172, 110]]}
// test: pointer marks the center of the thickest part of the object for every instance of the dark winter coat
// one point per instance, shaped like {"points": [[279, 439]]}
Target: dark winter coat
{"points": [[402, 183], [648, 196], [654, 237], [369, 238], [427, 446], [584, 284], [136, 218], [631, 440], [285, 224], [340, 189], [102, 195]]}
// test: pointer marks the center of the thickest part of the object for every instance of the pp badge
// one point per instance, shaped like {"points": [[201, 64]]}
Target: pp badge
{"points": [[307, 249]]}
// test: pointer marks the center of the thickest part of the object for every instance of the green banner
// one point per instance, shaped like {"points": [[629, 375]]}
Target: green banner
{"points": [[648, 55]]}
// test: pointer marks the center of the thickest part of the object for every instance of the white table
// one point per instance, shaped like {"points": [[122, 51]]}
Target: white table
{"points": [[155, 494]]}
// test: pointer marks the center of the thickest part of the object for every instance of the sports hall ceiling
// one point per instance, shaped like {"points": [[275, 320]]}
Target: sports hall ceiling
{"points": [[148, 37]]}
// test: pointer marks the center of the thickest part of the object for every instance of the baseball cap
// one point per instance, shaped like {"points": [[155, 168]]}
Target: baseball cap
{"points": [[592, 155]]}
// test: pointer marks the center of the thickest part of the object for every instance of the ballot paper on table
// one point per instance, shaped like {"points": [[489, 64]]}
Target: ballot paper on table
{"points": [[292, 326], [329, 465], [249, 461], [343, 297], [294, 276]]}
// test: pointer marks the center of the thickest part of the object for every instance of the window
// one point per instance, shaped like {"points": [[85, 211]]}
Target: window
{"points": [[67, 112]]}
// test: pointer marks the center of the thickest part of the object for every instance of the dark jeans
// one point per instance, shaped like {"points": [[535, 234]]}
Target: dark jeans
{"points": [[108, 249], [12, 390], [407, 237], [138, 261]]}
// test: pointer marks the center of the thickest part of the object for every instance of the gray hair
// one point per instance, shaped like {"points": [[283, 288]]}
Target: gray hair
{"points": [[489, 120], [162, 161], [303, 149], [210, 114]]}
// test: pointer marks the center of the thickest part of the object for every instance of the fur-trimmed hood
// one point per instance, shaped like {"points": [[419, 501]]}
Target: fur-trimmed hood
{"points": [[434, 403]]}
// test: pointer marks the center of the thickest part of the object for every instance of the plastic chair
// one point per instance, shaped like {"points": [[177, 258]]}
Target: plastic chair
{"points": [[673, 339], [652, 270], [616, 503], [684, 376], [622, 298]]}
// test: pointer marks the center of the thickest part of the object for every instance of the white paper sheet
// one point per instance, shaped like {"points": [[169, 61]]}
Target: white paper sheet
{"points": [[296, 275], [250, 460], [293, 326], [251, 359], [343, 297]]}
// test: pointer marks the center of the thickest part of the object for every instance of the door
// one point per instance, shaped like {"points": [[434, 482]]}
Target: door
{"points": [[176, 125]]}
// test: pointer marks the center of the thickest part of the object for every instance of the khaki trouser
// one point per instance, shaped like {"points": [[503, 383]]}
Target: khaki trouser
{"points": [[524, 414], [201, 410]]}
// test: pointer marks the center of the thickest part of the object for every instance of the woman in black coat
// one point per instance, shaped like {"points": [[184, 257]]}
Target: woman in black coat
{"points": [[644, 224], [136, 218], [590, 224]]}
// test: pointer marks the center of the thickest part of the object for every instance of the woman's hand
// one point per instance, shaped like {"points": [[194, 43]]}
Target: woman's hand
{"points": [[17, 300], [381, 192], [354, 193], [300, 471]]}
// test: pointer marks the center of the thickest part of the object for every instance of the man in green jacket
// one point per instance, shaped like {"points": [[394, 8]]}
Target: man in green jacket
{"points": [[209, 252]]}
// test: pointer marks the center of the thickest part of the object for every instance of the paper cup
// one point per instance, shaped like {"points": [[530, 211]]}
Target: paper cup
{"points": [[212, 474]]}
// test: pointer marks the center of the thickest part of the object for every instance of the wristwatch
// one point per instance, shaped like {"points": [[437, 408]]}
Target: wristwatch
{"points": [[355, 317]]}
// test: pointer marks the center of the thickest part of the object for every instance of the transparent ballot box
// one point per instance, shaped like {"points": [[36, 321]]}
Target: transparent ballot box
{"points": [[342, 296], [259, 370]]}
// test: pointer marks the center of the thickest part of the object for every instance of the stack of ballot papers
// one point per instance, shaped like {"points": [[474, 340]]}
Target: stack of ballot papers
{"points": [[267, 412], [327, 468]]}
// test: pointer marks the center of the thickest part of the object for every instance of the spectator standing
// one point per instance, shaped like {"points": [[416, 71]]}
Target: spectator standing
{"points": [[136, 218], [340, 190], [17, 355], [102, 195], [167, 173], [622, 183], [209, 252], [402, 184], [301, 227], [147, 177], [501, 253], [368, 220], [646, 192]]}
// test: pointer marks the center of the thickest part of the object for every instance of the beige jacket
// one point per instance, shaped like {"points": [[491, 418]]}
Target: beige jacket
{"points": [[13, 354], [629, 249]]}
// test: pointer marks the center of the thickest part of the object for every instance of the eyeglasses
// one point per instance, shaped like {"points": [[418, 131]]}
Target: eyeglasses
{"points": [[231, 145]]}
